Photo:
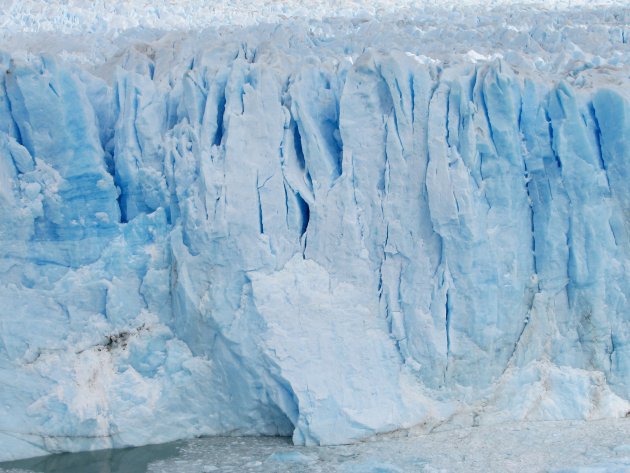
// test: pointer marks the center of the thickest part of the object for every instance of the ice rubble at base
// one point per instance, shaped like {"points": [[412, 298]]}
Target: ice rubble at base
{"points": [[317, 230], [568, 446]]}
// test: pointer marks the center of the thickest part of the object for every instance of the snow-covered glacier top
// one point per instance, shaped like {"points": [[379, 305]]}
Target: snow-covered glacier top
{"points": [[101, 16], [93, 33], [320, 220]]}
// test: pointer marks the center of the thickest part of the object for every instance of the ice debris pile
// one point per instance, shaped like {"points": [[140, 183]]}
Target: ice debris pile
{"points": [[324, 229]]}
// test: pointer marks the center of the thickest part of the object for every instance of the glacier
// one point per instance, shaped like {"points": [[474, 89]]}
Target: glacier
{"points": [[326, 228]]}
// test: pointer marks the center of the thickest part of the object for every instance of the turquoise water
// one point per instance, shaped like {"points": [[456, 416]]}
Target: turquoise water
{"points": [[225, 455], [126, 460]]}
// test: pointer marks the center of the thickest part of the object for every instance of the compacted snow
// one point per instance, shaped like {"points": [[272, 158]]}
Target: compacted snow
{"points": [[326, 223]]}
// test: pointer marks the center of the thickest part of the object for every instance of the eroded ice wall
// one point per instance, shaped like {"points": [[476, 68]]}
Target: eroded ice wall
{"points": [[208, 235]]}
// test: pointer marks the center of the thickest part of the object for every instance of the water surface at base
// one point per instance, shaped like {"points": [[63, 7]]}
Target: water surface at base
{"points": [[124, 460], [558, 447]]}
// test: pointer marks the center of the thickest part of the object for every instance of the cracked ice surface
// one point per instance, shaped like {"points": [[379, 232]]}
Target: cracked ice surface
{"points": [[325, 229]]}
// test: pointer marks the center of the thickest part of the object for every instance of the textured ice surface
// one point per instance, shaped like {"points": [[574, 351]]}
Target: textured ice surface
{"points": [[324, 229], [99, 16]]}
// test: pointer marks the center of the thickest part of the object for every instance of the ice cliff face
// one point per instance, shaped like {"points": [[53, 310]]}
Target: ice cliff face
{"points": [[284, 231]]}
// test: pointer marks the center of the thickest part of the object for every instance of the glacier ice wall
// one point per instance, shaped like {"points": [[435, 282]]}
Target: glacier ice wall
{"points": [[283, 231]]}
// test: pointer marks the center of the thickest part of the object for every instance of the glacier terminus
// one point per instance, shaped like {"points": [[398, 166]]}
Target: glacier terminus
{"points": [[324, 228]]}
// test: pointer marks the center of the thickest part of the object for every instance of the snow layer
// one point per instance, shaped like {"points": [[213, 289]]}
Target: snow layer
{"points": [[324, 229]]}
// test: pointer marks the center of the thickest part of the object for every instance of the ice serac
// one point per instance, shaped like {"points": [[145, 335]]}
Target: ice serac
{"points": [[293, 237]]}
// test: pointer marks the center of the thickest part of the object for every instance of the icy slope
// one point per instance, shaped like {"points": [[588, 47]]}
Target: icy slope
{"points": [[326, 229]]}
